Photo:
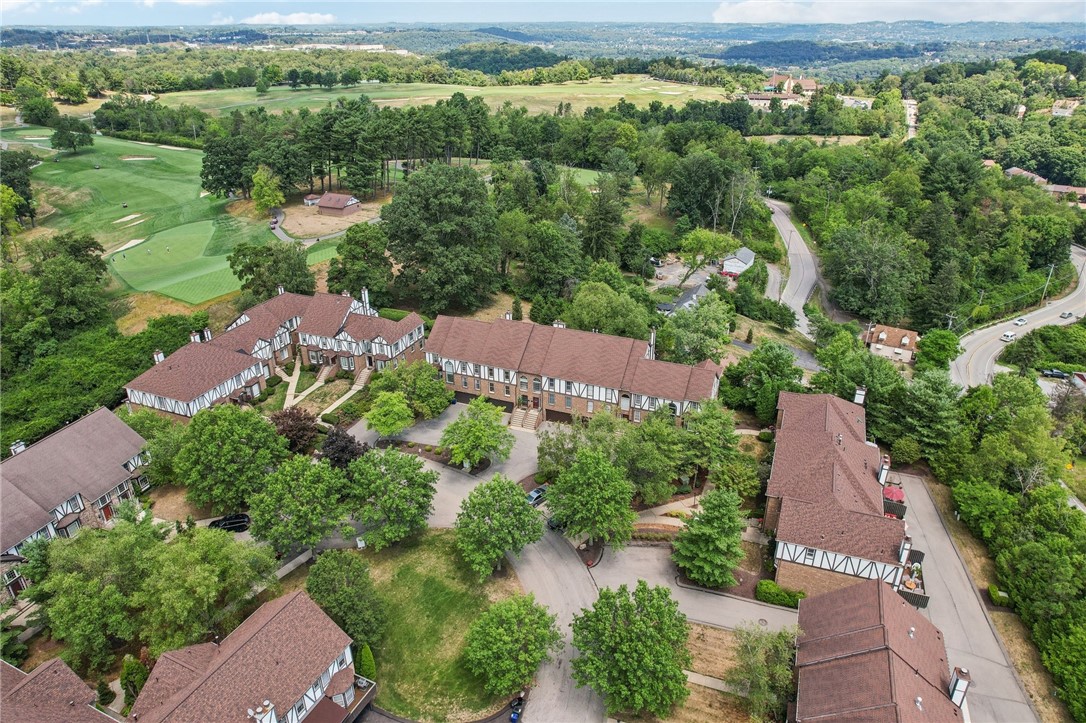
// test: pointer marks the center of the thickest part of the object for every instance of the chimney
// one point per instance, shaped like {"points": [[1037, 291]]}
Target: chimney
{"points": [[840, 438], [861, 394], [919, 703], [158, 356], [17, 446], [559, 324], [194, 337], [652, 343], [280, 290], [904, 341], [345, 293], [508, 316], [959, 684], [906, 546], [366, 302], [884, 469], [207, 333]]}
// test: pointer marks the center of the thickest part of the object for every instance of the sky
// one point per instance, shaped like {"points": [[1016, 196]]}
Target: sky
{"points": [[328, 12]]}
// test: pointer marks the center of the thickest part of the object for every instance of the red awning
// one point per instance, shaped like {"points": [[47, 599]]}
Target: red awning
{"points": [[894, 494]]}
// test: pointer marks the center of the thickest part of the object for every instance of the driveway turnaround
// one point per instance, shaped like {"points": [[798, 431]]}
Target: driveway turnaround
{"points": [[996, 695], [654, 566]]}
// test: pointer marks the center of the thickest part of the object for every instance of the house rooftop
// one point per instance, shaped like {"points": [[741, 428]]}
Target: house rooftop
{"points": [[826, 474], [864, 653], [51, 693], [275, 655], [336, 200], [86, 457], [192, 370], [891, 336], [742, 254]]}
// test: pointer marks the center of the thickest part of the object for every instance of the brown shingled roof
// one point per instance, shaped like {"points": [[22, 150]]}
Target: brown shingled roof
{"points": [[191, 371], [361, 326], [336, 200], [826, 474], [893, 336], [51, 693], [276, 655], [325, 314], [865, 654], [86, 457]]}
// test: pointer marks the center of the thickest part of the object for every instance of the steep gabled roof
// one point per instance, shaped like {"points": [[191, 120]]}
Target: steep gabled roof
{"points": [[361, 326], [192, 370], [865, 654], [336, 200], [826, 474], [51, 693], [86, 457], [325, 314], [276, 654]]}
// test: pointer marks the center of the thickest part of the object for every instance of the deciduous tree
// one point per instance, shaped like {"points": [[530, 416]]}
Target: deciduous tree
{"points": [[340, 583], [267, 189], [936, 349], [298, 426], [701, 333], [632, 649], [362, 262], [764, 669], [478, 434], [262, 268], [495, 519], [593, 497], [226, 454], [71, 133], [391, 494], [389, 414], [508, 643], [340, 448], [701, 246], [299, 504]]}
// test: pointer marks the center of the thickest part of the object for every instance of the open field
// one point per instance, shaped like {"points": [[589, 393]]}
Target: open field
{"points": [[432, 598], [638, 89]]}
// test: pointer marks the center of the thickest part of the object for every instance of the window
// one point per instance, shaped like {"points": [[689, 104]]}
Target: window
{"points": [[809, 554], [535, 385], [299, 709], [524, 384], [637, 400], [341, 661], [591, 406], [449, 375], [569, 402], [637, 415], [550, 399], [314, 357], [490, 387], [477, 385], [550, 385], [507, 390], [464, 381], [569, 387]]}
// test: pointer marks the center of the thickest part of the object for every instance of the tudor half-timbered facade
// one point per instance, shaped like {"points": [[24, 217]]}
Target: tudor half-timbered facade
{"points": [[72, 479], [323, 330], [286, 663], [825, 502], [563, 372]]}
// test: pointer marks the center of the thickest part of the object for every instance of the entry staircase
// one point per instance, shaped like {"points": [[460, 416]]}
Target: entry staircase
{"points": [[326, 371], [524, 418]]}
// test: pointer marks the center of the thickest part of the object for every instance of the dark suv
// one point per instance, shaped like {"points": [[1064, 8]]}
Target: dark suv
{"points": [[231, 523], [1055, 374]]}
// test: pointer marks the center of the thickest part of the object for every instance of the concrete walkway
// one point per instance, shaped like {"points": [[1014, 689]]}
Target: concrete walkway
{"points": [[707, 681], [292, 385], [356, 387]]}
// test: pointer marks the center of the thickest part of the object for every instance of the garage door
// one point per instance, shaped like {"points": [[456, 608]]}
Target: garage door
{"points": [[464, 397], [553, 416]]}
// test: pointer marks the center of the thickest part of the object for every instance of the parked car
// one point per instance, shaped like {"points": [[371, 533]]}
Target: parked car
{"points": [[1066, 315], [231, 523], [553, 523], [655, 261], [1020, 321], [1055, 374], [1008, 336], [535, 497]]}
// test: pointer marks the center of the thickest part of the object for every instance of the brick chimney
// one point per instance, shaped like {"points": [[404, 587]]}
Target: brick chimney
{"points": [[860, 396], [194, 337], [959, 684], [158, 356]]}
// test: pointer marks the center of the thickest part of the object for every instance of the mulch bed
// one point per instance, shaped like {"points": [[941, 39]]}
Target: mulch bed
{"points": [[640, 506], [420, 450], [529, 483], [591, 554]]}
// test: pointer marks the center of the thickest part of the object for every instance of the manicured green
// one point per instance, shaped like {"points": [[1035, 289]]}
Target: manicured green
{"points": [[432, 599]]}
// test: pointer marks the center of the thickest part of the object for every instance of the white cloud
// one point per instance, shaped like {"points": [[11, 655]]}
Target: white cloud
{"points": [[20, 6], [220, 19], [197, 2], [290, 19], [860, 11]]}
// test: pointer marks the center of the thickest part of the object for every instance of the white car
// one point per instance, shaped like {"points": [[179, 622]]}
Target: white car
{"points": [[1066, 315], [1008, 336], [1020, 321]]}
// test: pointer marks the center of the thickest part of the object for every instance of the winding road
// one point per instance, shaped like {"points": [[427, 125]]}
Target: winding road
{"points": [[803, 265], [977, 363]]}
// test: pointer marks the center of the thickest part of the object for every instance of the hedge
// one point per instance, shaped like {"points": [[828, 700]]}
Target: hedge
{"points": [[273, 381], [998, 597], [332, 418], [772, 593]]}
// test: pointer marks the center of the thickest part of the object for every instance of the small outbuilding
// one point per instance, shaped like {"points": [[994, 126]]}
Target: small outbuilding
{"points": [[311, 199], [337, 204], [737, 263]]}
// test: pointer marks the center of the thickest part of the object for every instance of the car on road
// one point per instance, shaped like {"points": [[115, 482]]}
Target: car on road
{"points": [[1066, 315], [535, 497], [553, 523], [1020, 321], [1055, 374], [231, 523], [1008, 336]]}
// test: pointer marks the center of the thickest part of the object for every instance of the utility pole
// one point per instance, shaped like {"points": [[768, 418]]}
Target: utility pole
{"points": [[950, 320], [1051, 268], [981, 297]]}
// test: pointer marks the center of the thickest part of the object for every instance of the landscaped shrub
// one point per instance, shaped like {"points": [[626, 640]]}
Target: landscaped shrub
{"points": [[331, 418], [273, 381], [367, 668], [410, 445], [772, 593], [905, 450], [133, 675], [998, 597], [765, 436], [429, 448], [105, 693]]}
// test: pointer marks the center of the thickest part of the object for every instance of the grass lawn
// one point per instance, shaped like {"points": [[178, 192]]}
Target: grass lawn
{"points": [[322, 398], [1076, 478], [433, 598], [170, 503], [638, 89], [764, 330], [177, 239], [275, 400], [306, 379]]}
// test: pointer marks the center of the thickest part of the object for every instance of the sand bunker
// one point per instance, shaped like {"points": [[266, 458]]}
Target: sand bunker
{"points": [[34, 138], [173, 148], [671, 92], [134, 223], [204, 193], [129, 217], [138, 158], [130, 244]]}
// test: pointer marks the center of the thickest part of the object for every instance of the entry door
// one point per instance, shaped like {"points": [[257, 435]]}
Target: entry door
{"points": [[535, 402], [369, 362], [107, 512]]}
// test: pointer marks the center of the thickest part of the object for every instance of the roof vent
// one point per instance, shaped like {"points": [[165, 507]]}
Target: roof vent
{"points": [[912, 633], [840, 439], [279, 290], [919, 703], [158, 356]]}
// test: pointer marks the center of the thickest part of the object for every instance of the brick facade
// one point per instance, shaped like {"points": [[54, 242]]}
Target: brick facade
{"points": [[365, 361], [811, 580], [553, 406]]}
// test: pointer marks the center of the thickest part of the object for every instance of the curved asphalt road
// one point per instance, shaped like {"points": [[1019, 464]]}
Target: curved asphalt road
{"points": [[803, 266], [976, 365]]}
